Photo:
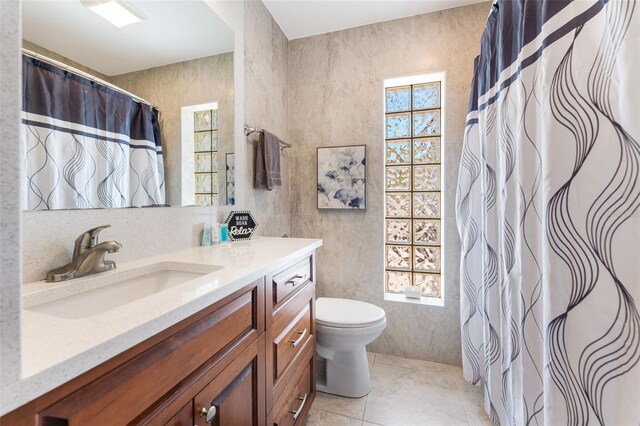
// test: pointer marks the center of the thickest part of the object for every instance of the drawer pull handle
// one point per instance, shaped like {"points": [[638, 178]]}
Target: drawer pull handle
{"points": [[210, 413], [297, 413], [297, 341], [298, 279]]}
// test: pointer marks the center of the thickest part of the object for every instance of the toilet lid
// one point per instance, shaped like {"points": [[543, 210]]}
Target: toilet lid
{"points": [[346, 312]]}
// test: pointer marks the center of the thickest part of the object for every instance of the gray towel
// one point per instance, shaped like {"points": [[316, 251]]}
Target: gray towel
{"points": [[267, 165]]}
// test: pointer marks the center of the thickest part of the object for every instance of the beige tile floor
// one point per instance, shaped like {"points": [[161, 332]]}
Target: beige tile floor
{"points": [[405, 392]]}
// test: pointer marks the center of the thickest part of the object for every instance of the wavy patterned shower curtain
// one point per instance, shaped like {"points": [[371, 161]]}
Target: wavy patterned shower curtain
{"points": [[87, 145], [548, 214]]}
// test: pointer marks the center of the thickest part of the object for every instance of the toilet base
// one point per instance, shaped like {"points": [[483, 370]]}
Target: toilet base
{"points": [[343, 373]]}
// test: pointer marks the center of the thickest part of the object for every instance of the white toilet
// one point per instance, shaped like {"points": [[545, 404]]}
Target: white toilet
{"points": [[343, 328]]}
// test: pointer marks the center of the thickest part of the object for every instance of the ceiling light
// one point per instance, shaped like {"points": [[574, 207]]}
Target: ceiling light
{"points": [[117, 12]]}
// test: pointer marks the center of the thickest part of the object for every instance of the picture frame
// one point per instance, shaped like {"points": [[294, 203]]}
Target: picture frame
{"points": [[230, 179], [341, 177]]}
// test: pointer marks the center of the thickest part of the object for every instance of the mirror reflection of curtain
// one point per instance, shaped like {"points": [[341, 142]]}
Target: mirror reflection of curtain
{"points": [[548, 210], [87, 145]]}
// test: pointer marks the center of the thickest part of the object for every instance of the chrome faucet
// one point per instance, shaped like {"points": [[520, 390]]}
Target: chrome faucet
{"points": [[88, 257]]}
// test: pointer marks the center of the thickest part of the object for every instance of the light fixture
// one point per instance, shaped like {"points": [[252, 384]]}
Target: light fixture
{"points": [[117, 12]]}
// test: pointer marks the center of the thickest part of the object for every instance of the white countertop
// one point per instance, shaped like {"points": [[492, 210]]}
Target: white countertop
{"points": [[56, 350]]}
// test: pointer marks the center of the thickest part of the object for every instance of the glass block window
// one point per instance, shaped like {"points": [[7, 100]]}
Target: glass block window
{"points": [[205, 142], [413, 185]]}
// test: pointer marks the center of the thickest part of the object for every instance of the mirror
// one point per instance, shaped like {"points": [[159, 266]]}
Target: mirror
{"points": [[127, 103]]}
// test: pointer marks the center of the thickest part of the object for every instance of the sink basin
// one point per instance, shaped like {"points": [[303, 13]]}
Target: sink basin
{"points": [[121, 287]]}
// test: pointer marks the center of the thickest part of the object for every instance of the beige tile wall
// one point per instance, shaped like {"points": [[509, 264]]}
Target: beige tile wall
{"points": [[266, 105], [336, 98]]}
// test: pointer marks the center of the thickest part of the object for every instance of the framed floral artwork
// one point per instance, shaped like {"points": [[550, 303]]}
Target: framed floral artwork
{"points": [[342, 175]]}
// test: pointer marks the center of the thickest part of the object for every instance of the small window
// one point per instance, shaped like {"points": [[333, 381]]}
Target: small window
{"points": [[413, 188], [206, 157]]}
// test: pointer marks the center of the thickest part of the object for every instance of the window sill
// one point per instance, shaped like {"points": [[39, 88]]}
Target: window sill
{"points": [[430, 301]]}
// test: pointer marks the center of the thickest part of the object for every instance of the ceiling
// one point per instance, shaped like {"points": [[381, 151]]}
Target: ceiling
{"points": [[303, 18], [175, 31]]}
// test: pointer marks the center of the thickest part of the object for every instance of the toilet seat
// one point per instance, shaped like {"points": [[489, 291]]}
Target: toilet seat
{"points": [[355, 331], [347, 313]]}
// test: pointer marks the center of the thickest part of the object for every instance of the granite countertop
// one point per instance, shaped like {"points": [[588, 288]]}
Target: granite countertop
{"points": [[56, 350]]}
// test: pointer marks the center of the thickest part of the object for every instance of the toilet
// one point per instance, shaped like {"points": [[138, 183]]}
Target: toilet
{"points": [[343, 328]]}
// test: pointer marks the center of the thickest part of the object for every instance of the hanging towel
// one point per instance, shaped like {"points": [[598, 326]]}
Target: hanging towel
{"points": [[267, 165]]}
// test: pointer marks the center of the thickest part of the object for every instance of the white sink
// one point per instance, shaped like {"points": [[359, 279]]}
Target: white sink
{"points": [[104, 292]]}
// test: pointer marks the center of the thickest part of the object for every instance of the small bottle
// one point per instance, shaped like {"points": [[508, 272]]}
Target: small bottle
{"points": [[206, 235], [215, 233], [224, 233]]}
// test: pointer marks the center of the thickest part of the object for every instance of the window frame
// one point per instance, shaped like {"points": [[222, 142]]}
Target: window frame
{"points": [[411, 80]]}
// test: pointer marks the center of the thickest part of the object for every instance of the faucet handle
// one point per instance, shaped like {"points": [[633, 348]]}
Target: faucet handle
{"points": [[87, 240], [93, 234]]}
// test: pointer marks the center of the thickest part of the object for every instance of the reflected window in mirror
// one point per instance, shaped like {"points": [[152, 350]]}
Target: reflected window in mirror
{"points": [[205, 139]]}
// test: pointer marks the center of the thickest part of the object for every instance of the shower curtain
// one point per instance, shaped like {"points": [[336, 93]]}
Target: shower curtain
{"points": [[548, 213], [87, 145]]}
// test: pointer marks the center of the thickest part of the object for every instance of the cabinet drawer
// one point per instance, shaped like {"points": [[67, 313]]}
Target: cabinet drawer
{"points": [[153, 374], [291, 340], [294, 404], [286, 283], [293, 318]]}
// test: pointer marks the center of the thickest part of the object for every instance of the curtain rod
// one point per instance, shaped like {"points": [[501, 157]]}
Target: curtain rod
{"points": [[39, 57]]}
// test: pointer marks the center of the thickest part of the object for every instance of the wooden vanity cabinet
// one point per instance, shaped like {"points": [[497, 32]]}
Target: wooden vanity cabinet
{"points": [[245, 360]]}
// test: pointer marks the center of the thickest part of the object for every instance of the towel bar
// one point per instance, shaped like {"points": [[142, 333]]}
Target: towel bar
{"points": [[248, 130]]}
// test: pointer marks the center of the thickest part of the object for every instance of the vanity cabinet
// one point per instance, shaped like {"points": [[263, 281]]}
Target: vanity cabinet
{"points": [[245, 360]]}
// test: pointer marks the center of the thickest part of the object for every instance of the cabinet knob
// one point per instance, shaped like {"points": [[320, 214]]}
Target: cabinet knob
{"points": [[209, 414]]}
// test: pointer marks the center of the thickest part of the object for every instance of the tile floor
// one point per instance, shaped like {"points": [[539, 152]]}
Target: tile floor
{"points": [[405, 392]]}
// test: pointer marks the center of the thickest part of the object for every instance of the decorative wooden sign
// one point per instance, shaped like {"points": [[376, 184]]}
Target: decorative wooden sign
{"points": [[241, 225]]}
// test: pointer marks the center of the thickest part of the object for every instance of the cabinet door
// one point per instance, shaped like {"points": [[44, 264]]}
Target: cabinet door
{"points": [[233, 397], [184, 417]]}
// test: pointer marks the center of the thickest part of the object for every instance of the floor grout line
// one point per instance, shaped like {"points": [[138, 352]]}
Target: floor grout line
{"points": [[328, 410], [412, 368], [366, 401]]}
